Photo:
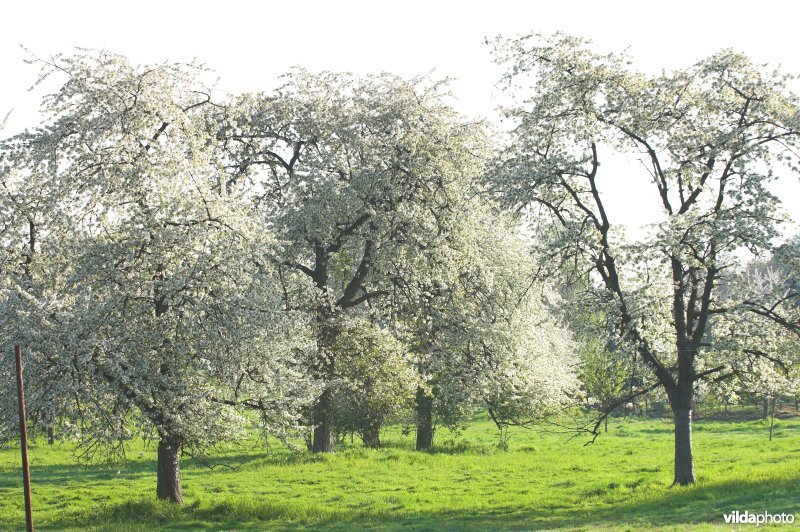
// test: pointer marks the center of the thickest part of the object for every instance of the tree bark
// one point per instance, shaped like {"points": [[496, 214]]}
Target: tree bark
{"points": [[684, 460], [323, 366], [424, 403], [169, 471], [323, 423], [51, 435]]}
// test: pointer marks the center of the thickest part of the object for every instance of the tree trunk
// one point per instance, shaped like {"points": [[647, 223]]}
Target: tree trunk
{"points": [[424, 420], [605, 422], [684, 460], [323, 368], [169, 470], [51, 435], [772, 420], [765, 414], [323, 423], [371, 436]]}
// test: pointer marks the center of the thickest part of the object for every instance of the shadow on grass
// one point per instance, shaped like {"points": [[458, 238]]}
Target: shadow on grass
{"points": [[88, 473], [59, 475], [678, 507]]}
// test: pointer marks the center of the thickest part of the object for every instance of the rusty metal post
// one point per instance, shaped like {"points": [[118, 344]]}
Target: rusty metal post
{"points": [[23, 430]]}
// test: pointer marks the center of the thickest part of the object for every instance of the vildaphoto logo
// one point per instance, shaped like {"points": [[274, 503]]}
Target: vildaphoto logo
{"points": [[763, 518]]}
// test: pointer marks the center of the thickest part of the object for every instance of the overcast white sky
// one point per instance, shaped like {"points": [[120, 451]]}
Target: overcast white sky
{"points": [[250, 43]]}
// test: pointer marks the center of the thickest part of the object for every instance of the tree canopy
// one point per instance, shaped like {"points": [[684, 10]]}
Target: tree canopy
{"points": [[708, 139]]}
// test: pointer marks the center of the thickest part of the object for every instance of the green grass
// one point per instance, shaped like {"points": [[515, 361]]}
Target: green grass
{"points": [[543, 481]]}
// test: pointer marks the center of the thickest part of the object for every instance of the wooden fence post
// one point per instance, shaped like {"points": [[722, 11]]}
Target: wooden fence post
{"points": [[23, 430]]}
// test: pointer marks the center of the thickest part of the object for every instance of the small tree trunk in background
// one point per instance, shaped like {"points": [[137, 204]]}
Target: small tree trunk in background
{"points": [[606, 423], [169, 471], [323, 423], [684, 460], [371, 435], [646, 407], [772, 420], [424, 403], [766, 408], [51, 435]]}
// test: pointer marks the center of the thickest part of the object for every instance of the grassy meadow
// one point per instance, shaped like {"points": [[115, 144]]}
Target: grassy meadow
{"points": [[544, 480]]}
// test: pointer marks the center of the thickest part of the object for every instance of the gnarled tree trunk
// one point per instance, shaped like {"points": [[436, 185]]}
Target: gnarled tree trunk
{"points": [[323, 423], [424, 403], [323, 370], [169, 470]]}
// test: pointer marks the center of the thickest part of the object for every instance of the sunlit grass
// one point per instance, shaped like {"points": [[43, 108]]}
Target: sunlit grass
{"points": [[545, 480]]}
